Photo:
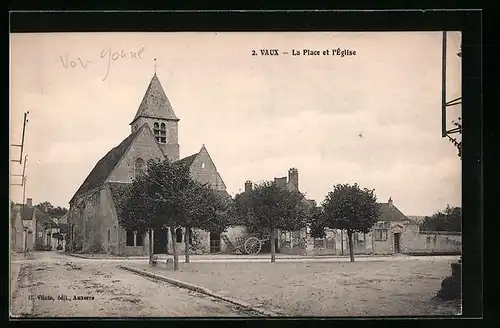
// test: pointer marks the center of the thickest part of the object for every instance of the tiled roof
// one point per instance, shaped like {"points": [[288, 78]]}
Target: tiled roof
{"points": [[187, 160], [390, 213], [155, 103], [105, 166]]}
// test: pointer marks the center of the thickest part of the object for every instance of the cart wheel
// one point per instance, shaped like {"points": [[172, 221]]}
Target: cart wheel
{"points": [[252, 246]]}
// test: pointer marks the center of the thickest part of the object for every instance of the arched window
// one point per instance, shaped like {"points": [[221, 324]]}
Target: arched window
{"points": [[140, 167], [160, 132], [163, 133], [156, 131]]}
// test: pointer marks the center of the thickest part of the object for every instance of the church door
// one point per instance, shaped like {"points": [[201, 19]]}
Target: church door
{"points": [[160, 241]]}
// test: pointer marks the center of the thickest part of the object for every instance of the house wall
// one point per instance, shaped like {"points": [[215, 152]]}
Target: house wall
{"points": [[142, 147], [84, 214], [17, 230], [425, 243], [294, 243], [323, 246], [234, 233], [30, 233]]}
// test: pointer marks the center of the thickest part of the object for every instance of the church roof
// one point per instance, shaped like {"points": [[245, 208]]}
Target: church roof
{"points": [[105, 166], [187, 160], [155, 103]]}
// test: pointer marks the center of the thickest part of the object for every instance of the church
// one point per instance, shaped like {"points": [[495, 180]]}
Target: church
{"points": [[93, 223]]}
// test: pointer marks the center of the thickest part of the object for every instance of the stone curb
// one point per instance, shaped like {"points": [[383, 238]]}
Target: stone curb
{"points": [[198, 289]]}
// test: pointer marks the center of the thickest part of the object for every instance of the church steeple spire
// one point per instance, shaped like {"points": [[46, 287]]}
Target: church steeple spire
{"points": [[156, 110], [155, 103]]}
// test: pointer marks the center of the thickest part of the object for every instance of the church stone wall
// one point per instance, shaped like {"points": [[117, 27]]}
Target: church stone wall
{"points": [[171, 148], [142, 147], [204, 171]]}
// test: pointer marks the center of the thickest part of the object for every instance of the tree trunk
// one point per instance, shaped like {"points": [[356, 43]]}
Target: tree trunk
{"points": [[186, 243], [342, 242], [151, 247], [273, 248], [351, 252], [174, 249]]}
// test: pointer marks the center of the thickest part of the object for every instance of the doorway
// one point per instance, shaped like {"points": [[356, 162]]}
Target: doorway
{"points": [[397, 242], [214, 243], [160, 241]]}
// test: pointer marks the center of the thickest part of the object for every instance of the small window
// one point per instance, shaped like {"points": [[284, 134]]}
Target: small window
{"points": [[381, 234], [139, 240], [203, 165], [434, 240], [428, 241], [109, 236], [130, 238], [178, 235]]}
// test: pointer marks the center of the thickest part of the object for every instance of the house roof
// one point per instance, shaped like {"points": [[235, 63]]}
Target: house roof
{"points": [[155, 103], [390, 213], [105, 166]]}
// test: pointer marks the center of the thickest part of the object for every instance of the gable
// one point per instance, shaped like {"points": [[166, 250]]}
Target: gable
{"points": [[144, 146], [105, 165], [203, 170]]}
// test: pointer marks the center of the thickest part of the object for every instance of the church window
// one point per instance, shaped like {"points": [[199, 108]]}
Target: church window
{"points": [[178, 235], [160, 132], [203, 165], [163, 133], [140, 167], [130, 238]]}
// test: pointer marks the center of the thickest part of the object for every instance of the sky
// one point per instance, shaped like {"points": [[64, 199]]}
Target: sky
{"points": [[373, 118]]}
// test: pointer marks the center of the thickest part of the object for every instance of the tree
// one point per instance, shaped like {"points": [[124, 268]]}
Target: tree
{"points": [[352, 209], [450, 219], [51, 210], [169, 188], [317, 223], [271, 207], [204, 209], [136, 210]]}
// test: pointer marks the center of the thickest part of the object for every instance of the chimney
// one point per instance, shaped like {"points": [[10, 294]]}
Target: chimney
{"points": [[29, 202], [390, 202], [248, 186], [293, 177]]}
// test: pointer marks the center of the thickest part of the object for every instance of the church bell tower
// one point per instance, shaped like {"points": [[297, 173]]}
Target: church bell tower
{"points": [[156, 110]]}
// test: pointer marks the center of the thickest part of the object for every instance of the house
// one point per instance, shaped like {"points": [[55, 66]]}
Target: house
{"points": [[24, 226], [17, 228], [93, 222], [393, 233], [288, 242]]}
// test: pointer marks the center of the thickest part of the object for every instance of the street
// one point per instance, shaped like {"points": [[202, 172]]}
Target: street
{"points": [[56, 285]]}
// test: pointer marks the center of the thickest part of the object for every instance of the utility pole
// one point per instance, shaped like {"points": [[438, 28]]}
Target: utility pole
{"points": [[22, 140]]}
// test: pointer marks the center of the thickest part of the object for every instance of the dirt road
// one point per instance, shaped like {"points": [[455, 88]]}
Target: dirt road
{"points": [[54, 285]]}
